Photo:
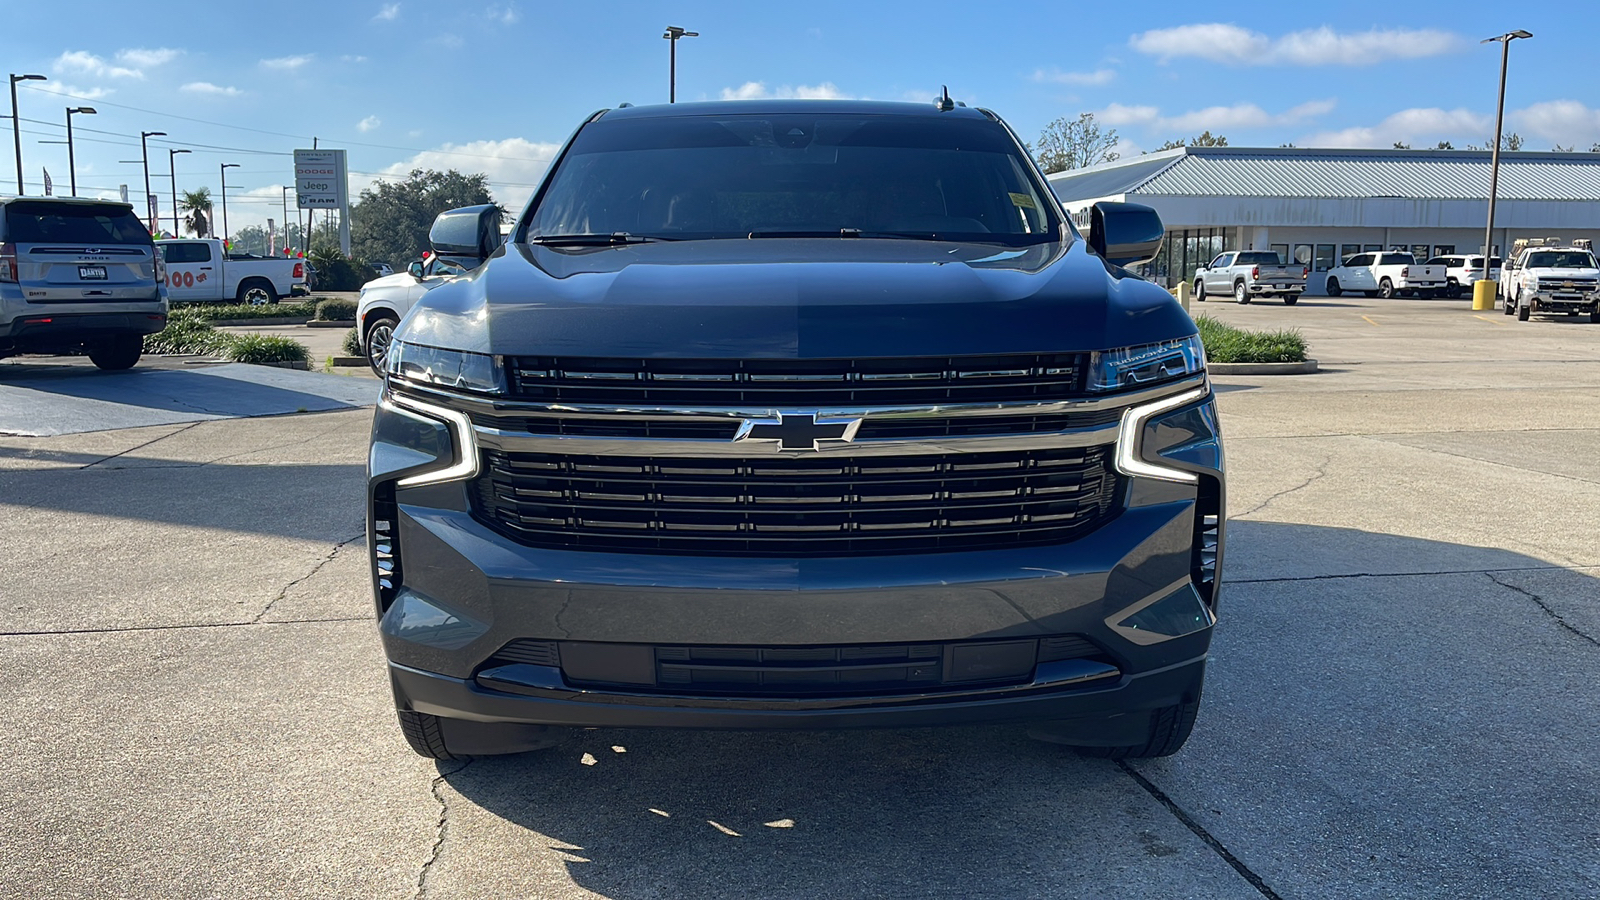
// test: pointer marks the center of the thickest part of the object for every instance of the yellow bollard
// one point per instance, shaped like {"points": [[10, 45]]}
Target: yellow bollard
{"points": [[1182, 292], [1483, 294]]}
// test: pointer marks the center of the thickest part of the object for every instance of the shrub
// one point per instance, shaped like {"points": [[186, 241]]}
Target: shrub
{"points": [[1227, 344], [352, 343], [264, 348], [336, 310], [337, 273], [186, 332], [220, 312]]}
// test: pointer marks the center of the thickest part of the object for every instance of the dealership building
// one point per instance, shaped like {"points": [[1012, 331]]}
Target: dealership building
{"points": [[1319, 206]]}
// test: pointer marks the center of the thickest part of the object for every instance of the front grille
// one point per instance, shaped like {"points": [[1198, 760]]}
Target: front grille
{"points": [[826, 505], [1566, 284], [798, 383], [797, 670], [685, 428]]}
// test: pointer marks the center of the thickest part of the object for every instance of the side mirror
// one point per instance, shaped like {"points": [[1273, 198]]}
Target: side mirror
{"points": [[415, 269], [467, 235], [1125, 233]]}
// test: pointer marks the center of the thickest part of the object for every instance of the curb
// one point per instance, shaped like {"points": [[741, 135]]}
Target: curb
{"points": [[282, 320], [300, 364], [1289, 368], [349, 362], [337, 323]]}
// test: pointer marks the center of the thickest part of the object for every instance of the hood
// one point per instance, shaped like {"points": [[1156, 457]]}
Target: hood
{"points": [[398, 279], [795, 299]]}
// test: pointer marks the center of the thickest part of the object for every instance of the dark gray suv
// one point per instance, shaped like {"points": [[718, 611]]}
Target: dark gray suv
{"points": [[796, 415]]}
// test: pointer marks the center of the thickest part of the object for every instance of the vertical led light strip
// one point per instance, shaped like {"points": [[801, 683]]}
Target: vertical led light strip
{"points": [[1133, 422], [465, 443]]}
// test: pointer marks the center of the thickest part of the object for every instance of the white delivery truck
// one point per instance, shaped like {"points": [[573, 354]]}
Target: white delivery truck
{"points": [[198, 270]]}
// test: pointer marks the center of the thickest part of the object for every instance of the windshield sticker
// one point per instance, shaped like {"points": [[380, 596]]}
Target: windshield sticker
{"points": [[1022, 201]]}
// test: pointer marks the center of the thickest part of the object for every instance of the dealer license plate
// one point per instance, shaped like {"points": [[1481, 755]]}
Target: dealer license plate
{"points": [[91, 273]]}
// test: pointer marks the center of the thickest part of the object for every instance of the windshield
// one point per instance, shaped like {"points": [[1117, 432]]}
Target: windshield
{"points": [[43, 222], [1560, 259], [738, 176]]}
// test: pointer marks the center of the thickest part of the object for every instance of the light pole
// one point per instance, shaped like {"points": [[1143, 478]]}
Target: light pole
{"points": [[286, 220], [144, 157], [1494, 154], [72, 163], [224, 192], [16, 122], [672, 35], [172, 171]]}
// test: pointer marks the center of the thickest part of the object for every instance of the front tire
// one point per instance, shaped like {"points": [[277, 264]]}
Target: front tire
{"points": [[1333, 287], [380, 334], [1523, 311], [257, 292], [1199, 290], [1241, 295], [435, 737], [1594, 317], [118, 352], [1386, 289], [1170, 728]]}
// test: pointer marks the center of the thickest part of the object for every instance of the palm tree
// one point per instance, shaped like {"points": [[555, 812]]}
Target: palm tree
{"points": [[197, 205]]}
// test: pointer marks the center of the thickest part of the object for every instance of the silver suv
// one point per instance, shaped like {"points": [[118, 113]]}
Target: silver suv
{"points": [[78, 276]]}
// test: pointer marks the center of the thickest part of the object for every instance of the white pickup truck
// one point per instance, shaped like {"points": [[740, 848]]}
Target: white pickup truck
{"points": [[198, 270], [1386, 274], [1550, 280], [1250, 273]]}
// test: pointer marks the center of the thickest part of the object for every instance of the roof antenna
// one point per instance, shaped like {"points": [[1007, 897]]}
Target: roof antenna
{"points": [[944, 103]]}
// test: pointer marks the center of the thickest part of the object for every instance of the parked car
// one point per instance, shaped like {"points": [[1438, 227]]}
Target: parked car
{"points": [[385, 301], [1386, 274], [1461, 272], [1251, 273], [1549, 279], [382, 269], [199, 270], [755, 417], [78, 276]]}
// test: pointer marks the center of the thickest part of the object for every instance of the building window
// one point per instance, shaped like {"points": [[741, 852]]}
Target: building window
{"points": [[1283, 253], [1302, 254], [1324, 258], [1348, 250], [1420, 251], [1444, 250], [1371, 248]]}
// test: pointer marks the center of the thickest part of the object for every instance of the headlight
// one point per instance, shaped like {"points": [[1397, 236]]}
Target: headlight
{"points": [[455, 369], [1146, 364]]}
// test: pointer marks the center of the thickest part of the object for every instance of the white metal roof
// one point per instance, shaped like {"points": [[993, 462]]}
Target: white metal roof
{"points": [[1354, 174]]}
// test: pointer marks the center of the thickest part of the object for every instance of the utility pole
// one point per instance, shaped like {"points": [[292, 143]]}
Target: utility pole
{"points": [[1494, 154], [672, 35], [144, 157], [224, 192], [16, 122], [286, 220], [172, 169]]}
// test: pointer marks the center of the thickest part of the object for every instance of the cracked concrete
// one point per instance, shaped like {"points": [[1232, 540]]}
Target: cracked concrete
{"points": [[443, 832]]}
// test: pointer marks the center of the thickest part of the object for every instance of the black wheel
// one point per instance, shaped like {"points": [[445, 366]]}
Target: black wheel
{"points": [[1240, 294], [1200, 290], [117, 352], [1333, 287], [1169, 729], [380, 334], [257, 292], [1522, 312], [1291, 299], [1454, 290], [1506, 306], [1594, 317], [424, 733], [1386, 289]]}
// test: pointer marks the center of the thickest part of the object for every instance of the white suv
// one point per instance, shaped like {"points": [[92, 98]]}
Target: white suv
{"points": [[1462, 271]]}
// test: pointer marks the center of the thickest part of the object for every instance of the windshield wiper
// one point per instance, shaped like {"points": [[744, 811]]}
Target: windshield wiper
{"points": [[596, 240]]}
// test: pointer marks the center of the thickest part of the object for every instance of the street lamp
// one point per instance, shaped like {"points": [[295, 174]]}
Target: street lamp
{"points": [[1494, 156], [172, 170], [72, 163], [672, 35], [144, 158], [16, 122], [224, 192]]}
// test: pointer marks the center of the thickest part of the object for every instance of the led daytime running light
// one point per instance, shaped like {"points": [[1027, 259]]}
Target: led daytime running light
{"points": [[465, 443], [1133, 422]]}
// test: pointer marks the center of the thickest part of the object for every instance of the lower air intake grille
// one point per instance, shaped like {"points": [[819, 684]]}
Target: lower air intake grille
{"points": [[827, 505]]}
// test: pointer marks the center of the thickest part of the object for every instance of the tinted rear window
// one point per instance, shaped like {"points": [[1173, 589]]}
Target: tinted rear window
{"points": [[37, 222], [708, 177], [1259, 259]]}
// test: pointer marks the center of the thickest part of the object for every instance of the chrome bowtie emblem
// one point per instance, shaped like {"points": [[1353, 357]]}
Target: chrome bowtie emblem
{"points": [[799, 430]]}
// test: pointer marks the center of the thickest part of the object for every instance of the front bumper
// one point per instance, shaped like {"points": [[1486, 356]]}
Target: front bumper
{"points": [[1562, 302]]}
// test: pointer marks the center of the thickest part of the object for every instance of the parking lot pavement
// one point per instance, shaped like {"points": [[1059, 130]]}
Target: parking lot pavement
{"points": [[1400, 702]]}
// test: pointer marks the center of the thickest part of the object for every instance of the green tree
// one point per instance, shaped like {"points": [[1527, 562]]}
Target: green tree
{"points": [[391, 220], [1074, 143], [1401, 145], [196, 205], [1444, 145], [1203, 139]]}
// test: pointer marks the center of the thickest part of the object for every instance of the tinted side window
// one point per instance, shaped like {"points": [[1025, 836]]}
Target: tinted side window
{"points": [[42, 222], [1364, 259], [186, 252]]}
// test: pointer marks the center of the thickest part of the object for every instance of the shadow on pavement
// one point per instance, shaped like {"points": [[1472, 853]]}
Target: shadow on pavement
{"points": [[1383, 727]]}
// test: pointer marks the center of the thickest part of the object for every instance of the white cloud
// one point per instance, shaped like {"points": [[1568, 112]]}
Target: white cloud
{"points": [[757, 90], [368, 124], [81, 93], [206, 87], [1565, 122], [1240, 116], [1230, 44], [286, 63], [1098, 76], [350, 58], [449, 41], [504, 13], [513, 166], [147, 59], [82, 62], [388, 12], [1413, 126]]}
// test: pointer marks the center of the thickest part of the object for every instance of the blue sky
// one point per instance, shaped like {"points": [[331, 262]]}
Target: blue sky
{"points": [[496, 86]]}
